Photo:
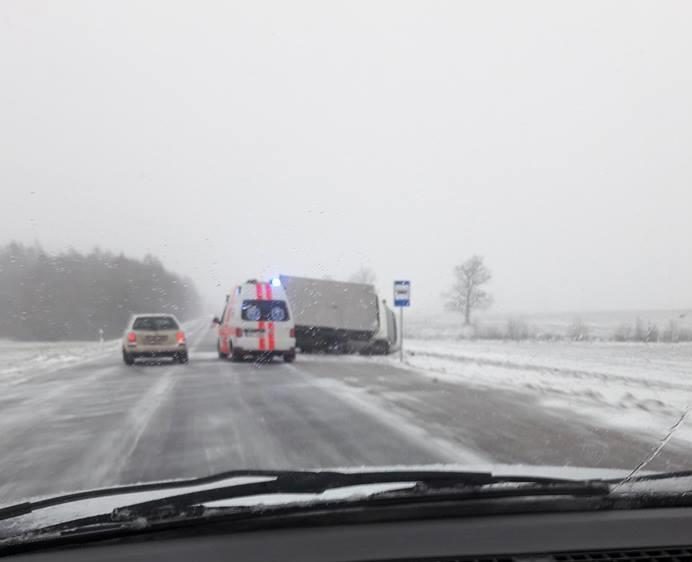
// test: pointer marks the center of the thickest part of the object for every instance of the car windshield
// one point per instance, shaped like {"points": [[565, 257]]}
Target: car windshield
{"points": [[155, 323], [343, 235]]}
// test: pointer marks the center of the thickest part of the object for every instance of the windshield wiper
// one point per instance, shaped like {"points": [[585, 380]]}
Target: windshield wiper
{"points": [[421, 483], [400, 489], [24, 508], [651, 477], [415, 486]]}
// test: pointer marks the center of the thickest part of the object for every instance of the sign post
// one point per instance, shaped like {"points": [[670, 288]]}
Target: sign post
{"points": [[402, 299]]}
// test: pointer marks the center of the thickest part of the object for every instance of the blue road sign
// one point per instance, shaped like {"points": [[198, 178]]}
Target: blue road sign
{"points": [[402, 293]]}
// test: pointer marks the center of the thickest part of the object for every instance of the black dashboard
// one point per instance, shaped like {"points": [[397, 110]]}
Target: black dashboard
{"points": [[659, 535]]}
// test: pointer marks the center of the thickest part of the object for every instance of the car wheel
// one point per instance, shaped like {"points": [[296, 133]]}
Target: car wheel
{"points": [[236, 356], [290, 357], [222, 355], [128, 359]]}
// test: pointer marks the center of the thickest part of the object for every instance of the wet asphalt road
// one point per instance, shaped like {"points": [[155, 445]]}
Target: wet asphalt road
{"points": [[102, 423]]}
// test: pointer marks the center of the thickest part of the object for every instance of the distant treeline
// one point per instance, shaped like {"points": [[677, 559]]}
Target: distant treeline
{"points": [[71, 296]]}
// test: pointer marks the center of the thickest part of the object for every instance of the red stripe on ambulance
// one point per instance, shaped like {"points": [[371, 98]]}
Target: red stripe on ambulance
{"points": [[272, 341], [262, 341]]}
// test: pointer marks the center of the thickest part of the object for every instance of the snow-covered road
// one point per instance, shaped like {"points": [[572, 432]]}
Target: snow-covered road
{"points": [[95, 422]]}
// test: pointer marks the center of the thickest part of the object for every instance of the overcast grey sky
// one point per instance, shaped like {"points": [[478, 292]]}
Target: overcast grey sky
{"points": [[252, 138]]}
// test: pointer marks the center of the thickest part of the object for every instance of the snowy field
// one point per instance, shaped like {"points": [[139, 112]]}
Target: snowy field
{"points": [[644, 387], [22, 360], [600, 325]]}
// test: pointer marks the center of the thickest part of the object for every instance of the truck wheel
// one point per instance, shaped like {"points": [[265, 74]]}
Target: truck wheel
{"points": [[222, 355], [290, 357], [181, 358], [128, 359]]}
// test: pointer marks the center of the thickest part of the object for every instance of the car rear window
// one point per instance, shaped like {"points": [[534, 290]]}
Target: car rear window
{"points": [[271, 311], [155, 323]]}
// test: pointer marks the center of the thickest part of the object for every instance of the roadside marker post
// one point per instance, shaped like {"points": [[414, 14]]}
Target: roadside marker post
{"points": [[402, 299]]}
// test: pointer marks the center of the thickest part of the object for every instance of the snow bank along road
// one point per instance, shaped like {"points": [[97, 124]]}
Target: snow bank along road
{"points": [[97, 422]]}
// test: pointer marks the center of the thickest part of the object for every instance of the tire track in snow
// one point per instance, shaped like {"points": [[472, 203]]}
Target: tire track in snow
{"points": [[37, 403], [384, 413], [105, 463]]}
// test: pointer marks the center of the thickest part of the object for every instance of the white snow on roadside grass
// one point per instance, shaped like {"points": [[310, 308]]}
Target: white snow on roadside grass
{"points": [[22, 360], [650, 362], [642, 387]]}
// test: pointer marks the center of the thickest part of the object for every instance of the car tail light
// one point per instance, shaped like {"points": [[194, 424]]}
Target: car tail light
{"points": [[180, 337], [131, 337], [293, 332], [238, 332]]}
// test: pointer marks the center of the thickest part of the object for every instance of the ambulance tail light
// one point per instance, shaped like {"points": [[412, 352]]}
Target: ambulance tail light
{"points": [[292, 333], [238, 332]]}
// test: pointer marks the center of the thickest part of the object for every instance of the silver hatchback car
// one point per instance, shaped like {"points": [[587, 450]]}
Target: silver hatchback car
{"points": [[154, 336]]}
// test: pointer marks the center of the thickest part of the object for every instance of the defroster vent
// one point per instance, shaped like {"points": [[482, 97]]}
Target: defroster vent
{"points": [[676, 554]]}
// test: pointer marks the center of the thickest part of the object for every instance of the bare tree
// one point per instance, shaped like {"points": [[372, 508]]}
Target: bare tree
{"points": [[577, 330], [467, 293], [364, 275], [639, 330], [517, 329]]}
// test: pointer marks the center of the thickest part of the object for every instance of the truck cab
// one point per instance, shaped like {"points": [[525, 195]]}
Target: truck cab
{"points": [[388, 337]]}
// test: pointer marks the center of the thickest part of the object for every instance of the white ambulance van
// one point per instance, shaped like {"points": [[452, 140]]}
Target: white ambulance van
{"points": [[257, 321]]}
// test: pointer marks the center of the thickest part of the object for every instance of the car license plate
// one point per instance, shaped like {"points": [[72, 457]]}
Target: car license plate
{"points": [[155, 339]]}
